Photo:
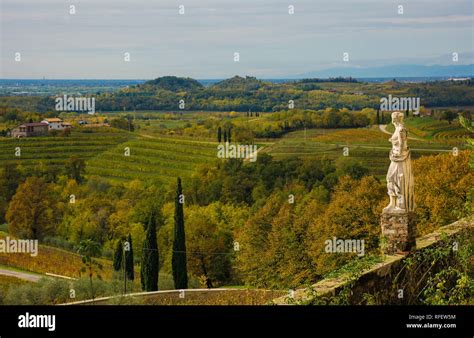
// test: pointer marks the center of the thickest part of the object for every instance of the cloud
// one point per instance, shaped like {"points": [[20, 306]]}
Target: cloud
{"points": [[201, 42], [434, 20]]}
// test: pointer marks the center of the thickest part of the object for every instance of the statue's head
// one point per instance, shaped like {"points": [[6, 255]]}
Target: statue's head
{"points": [[397, 117]]}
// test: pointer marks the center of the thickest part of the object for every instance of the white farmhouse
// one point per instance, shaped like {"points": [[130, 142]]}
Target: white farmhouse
{"points": [[56, 124]]}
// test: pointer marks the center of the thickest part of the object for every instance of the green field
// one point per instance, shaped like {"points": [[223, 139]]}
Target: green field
{"points": [[370, 146], [55, 150], [331, 147], [437, 130], [152, 158]]}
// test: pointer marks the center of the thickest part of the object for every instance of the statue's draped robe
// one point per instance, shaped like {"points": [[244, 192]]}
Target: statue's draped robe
{"points": [[400, 182]]}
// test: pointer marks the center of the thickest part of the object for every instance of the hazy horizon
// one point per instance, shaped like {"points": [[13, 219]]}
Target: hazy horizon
{"points": [[375, 79]]}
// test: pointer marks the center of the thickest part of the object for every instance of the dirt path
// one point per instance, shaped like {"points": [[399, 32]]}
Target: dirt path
{"points": [[171, 138], [21, 275], [383, 129], [254, 154]]}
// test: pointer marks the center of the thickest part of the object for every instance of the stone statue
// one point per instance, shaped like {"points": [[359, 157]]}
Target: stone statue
{"points": [[400, 183]]}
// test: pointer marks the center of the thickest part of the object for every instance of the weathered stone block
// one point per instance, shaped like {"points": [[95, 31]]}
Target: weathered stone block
{"points": [[398, 232]]}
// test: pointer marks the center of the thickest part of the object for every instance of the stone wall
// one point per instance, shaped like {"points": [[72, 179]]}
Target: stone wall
{"points": [[385, 282]]}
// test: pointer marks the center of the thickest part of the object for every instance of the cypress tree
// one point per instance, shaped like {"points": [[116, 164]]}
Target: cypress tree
{"points": [[129, 260], [180, 273], [225, 135], [378, 116], [150, 258], [118, 255], [229, 138], [219, 134]]}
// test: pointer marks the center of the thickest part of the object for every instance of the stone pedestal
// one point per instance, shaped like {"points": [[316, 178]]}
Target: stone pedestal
{"points": [[398, 232]]}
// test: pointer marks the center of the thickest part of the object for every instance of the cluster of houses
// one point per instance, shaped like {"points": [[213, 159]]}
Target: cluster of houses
{"points": [[40, 128]]}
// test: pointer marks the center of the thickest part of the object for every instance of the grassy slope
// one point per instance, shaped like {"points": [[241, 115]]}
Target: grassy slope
{"points": [[66, 263], [152, 158], [166, 158], [55, 150], [368, 145], [435, 130], [51, 260], [6, 282]]}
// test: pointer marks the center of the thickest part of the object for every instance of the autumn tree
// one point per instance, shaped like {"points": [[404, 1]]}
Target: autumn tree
{"points": [[351, 167], [10, 179], [48, 172], [209, 243], [253, 260], [124, 123], [352, 213], [468, 124], [75, 168], [449, 116], [273, 241], [92, 218], [32, 211], [442, 186], [90, 249]]}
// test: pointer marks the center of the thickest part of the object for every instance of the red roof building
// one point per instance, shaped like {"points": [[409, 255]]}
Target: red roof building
{"points": [[30, 130]]}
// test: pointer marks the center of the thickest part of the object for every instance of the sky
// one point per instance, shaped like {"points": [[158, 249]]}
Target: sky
{"points": [[202, 42]]}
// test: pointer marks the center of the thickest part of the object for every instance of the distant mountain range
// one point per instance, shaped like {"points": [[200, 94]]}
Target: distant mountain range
{"points": [[395, 71]]}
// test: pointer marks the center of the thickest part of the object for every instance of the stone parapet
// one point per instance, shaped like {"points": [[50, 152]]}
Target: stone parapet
{"points": [[398, 232]]}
